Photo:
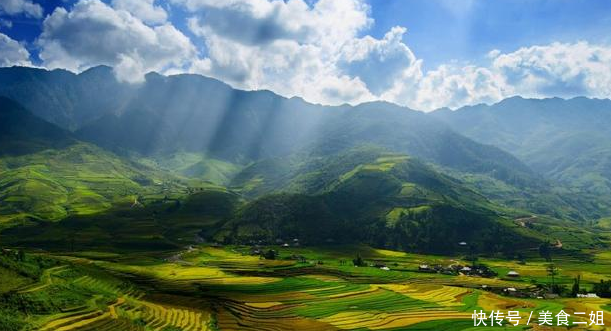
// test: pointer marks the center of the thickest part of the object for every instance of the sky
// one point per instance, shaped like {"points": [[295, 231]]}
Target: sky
{"points": [[424, 54]]}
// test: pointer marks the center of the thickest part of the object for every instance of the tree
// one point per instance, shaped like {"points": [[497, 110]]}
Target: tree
{"points": [[472, 256], [20, 255], [575, 289], [603, 289], [358, 261], [270, 255], [552, 271], [521, 258], [545, 251]]}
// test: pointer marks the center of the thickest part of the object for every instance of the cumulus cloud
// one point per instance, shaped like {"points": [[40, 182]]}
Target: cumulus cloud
{"points": [[12, 53], [558, 69], [554, 70], [263, 21], [93, 33], [316, 51], [146, 10], [17, 7], [448, 86], [379, 63], [291, 47]]}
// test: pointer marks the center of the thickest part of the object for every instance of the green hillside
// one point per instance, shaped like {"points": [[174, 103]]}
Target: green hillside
{"points": [[76, 180], [368, 195], [193, 165]]}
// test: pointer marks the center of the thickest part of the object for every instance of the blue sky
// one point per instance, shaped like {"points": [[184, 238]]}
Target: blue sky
{"points": [[439, 31], [442, 30], [419, 53]]}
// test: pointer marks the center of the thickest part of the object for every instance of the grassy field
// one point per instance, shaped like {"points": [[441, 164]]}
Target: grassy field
{"points": [[208, 287]]}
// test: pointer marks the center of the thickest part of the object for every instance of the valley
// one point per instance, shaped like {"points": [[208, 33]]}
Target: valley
{"points": [[214, 287], [169, 208]]}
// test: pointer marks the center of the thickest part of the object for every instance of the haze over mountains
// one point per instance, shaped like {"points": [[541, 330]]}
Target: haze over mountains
{"points": [[195, 113], [385, 174], [565, 140]]}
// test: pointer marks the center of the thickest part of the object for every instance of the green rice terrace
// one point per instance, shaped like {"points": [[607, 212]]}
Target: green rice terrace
{"points": [[260, 287]]}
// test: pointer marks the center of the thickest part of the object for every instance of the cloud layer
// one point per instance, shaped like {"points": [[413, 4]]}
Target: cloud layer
{"points": [[12, 53], [146, 10], [17, 7], [93, 33], [318, 51]]}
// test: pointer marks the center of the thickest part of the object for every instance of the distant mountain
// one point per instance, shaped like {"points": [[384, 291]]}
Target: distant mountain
{"points": [[201, 115], [192, 113], [565, 140], [292, 169], [64, 98]]}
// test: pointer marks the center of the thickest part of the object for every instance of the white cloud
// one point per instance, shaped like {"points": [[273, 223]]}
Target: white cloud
{"points": [[143, 9], [16, 7], [289, 47], [557, 69], [554, 70], [448, 86], [92, 33], [316, 51], [12, 53], [379, 63]]}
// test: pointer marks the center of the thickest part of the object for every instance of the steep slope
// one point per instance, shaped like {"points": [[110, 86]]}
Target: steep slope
{"points": [[156, 223], [79, 179], [195, 114], [373, 196], [201, 115], [23, 133], [414, 133]]}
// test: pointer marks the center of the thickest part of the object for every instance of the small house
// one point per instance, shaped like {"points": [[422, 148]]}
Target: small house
{"points": [[465, 269], [588, 295]]}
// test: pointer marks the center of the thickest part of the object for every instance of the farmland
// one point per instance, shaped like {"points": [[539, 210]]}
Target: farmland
{"points": [[213, 287]]}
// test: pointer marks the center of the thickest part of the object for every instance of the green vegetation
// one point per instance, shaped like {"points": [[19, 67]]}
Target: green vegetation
{"points": [[209, 288], [195, 165], [78, 180], [157, 211]]}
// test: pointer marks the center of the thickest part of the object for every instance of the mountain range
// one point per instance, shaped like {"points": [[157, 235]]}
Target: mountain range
{"points": [[80, 146]]}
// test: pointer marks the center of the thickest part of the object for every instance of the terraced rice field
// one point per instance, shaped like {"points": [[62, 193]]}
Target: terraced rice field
{"points": [[129, 310], [228, 289]]}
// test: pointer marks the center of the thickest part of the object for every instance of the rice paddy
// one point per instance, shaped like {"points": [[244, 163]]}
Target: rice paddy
{"points": [[227, 288]]}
